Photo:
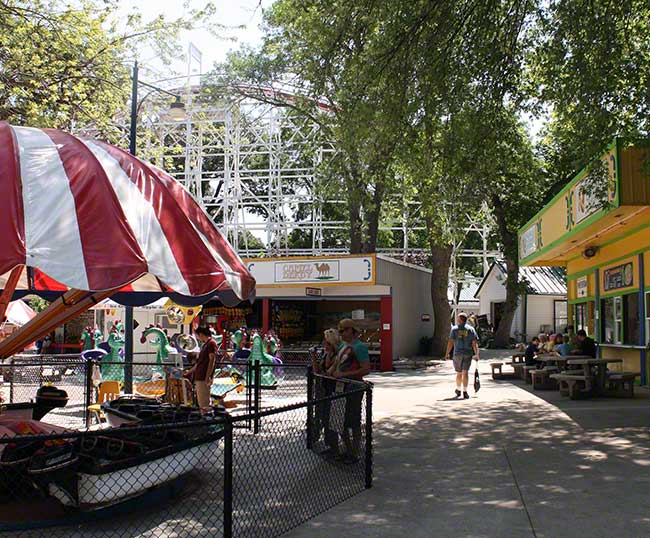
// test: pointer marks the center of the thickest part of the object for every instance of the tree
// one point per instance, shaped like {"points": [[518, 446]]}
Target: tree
{"points": [[65, 65], [591, 66], [327, 51]]}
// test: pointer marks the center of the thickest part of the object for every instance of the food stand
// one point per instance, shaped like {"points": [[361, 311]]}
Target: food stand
{"points": [[605, 247], [299, 297]]}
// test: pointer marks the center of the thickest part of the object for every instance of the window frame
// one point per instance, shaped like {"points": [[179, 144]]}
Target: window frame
{"points": [[556, 326], [581, 321]]}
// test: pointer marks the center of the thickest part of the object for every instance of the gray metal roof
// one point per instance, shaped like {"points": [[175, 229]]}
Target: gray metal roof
{"points": [[539, 280], [544, 280], [467, 292]]}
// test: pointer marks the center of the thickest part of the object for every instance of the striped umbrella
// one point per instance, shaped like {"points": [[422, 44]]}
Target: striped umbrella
{"points": [[90, 217]]}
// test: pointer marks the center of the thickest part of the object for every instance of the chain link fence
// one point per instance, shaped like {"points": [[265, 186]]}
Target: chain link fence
{"points": [[198, 478], [23, 375]]}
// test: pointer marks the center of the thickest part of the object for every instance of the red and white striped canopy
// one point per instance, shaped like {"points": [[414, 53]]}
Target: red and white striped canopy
{"points": [[90, 216]]}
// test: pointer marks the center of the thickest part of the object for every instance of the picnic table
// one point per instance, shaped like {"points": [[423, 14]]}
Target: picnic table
{"points": [[541, 377], [519, 357], [600, 367]]}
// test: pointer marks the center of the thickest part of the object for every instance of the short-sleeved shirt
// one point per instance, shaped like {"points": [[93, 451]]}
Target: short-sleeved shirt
{"points": [[563, 349], [587, 347], [352, 356], [463, 336], [530, 353], [201, 372]]}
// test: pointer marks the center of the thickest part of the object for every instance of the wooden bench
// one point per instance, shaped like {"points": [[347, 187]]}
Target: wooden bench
{"points": [[621, 384], [519, 370], [497, 371], [528, 370], [541, 379], [573, 385]]}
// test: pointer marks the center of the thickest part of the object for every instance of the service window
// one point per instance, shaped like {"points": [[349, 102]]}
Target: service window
{"points": [[581, 317], [612, 313], [632, 325], [621, 320], [647, 317], [560, 316]]}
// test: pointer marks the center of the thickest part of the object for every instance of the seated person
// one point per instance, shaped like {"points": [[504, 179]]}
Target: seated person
{"points": [[585, 345], [531, 351], [549, 346], [561, 347]]}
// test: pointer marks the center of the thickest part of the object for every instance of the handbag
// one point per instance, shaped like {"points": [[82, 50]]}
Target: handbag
{"points": [[477, 380]]}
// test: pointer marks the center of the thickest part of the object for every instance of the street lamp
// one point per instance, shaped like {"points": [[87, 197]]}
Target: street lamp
{"points": [[177, 113], [176, 109]]}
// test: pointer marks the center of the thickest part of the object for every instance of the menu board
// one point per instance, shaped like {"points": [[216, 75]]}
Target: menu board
{"points": [[620, 276], [582, 287]]}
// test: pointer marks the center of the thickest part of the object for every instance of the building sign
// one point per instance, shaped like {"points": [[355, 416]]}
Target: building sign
{"points": [[582, 287], [576, 207], [621, 276], [308, 271], [322, 271], [586, 203], [529, 241]]}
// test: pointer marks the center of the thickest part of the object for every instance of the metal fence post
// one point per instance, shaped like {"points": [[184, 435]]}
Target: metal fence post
{"points": [[257, 394], [89, 389], [368, 436], [249, 395], [227, 480], [11, 381], [310, 407]]}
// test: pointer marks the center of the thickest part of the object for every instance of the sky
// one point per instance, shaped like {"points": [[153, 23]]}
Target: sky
{"points": [[234, 14]]}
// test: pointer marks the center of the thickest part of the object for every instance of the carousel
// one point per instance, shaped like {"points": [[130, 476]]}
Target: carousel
{"points": [[83, 221]]}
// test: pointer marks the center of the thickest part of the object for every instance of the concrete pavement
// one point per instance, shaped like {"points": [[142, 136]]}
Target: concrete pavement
{"points": [[506, 463]]}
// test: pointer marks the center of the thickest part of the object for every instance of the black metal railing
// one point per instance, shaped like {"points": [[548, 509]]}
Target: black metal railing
{"points": [[199, 478]]}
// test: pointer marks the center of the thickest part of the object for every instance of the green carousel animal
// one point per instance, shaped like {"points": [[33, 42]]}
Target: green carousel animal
{"points": [[267, 376], [87, 339], [115, 343], [97, 337], [160, 341]]}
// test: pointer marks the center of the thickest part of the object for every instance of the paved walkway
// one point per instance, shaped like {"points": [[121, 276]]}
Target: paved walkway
{"points": [[505, 463]]}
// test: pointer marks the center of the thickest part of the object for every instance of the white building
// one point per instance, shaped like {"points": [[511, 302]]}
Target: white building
{"points": [[466, 301], [543, 308]]}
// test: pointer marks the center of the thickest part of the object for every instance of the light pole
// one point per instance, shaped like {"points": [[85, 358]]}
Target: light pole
{"points": [[177, 112]]}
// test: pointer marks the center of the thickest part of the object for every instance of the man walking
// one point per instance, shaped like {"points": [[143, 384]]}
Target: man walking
{"points": [[464, 341]]}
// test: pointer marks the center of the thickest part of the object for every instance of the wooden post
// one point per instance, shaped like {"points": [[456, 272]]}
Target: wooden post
{"points": [[266, 315], [70, 305], [8, 292], [386, 333]]}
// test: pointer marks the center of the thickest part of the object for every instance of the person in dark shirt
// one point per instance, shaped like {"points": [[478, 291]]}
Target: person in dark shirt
{"points": [[586, 345], [531, 352], [203, 370]]}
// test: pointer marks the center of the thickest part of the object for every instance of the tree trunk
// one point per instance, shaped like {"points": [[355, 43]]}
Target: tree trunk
{"points": [[502, 334], [356, 228], [513, 289], [372, 218], [354, 211], [440, 261]]}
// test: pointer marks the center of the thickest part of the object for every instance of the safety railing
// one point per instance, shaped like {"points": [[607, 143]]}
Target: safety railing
{"points": [[195, 478]]}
